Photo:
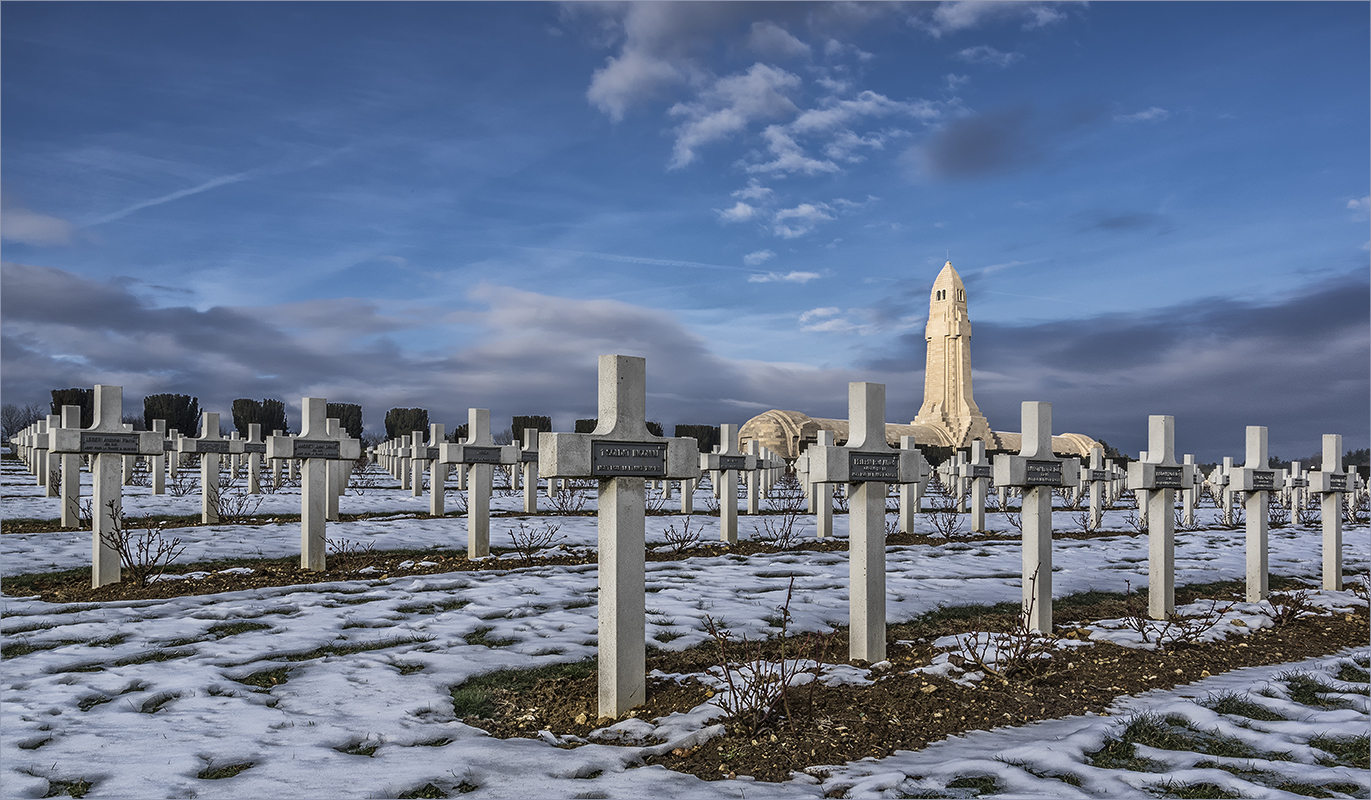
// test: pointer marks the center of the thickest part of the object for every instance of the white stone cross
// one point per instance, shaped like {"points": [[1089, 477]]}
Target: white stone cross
{"points": [[70, 465], [1331, 483], [254, 449], [1257, 480], [107, 443], [317, 449], [276, 464], [481, 455], [528, 456], [437, 470], [1096, 475], [911, 494], [977, 471], [210, 446], [418, 461], [1159, 477], [1036, 471], [620, 452], [158, 463], [1188, 495], [867, 465], [727, 464]]}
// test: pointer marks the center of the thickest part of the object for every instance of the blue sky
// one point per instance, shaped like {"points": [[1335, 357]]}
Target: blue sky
{"points": [[1157, 207]]}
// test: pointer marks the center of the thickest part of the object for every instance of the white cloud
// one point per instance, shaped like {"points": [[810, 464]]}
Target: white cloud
{"points": [[985, 54], [1361, 205], [806, 217], [772, 41], [753, 191], [213, 183], [729, 106], [949, 17], [819, 313], [789, 156], [955, 82], [758, 257], [786, 277], [632, 76], [741, 212], [1152, 114], [27, 227]]}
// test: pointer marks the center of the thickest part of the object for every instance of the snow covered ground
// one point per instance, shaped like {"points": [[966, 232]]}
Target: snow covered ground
{"points": [[139, 697]]}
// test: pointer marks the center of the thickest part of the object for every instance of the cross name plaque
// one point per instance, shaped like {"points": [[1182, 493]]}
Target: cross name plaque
{"points": [[307, 449], [732, 463], [1168, 477], [481, 455], [884, 467], [609, 459], [1043, 473], [1263, 479], [109, 443]]}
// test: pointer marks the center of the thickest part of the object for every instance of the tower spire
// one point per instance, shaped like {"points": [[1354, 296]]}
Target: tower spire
{"points": [[948, 403]]}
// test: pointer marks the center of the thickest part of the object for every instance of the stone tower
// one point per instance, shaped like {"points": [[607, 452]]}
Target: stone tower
{"points": [[947, 370]]}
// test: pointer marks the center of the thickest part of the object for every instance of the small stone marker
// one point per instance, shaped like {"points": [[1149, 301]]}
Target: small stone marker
{"points": [[479, 453], [867, 465], [1331, 483], [317, 449], [209, 446], [727, 464], [620, 453], [418, 461], [1036, 471], [107, 443], [276, 465], [158, 464], [1188, 495], [1159, 477], [911, 494], [754, 477], [1257, 480], [976, 471], [337, 470]]}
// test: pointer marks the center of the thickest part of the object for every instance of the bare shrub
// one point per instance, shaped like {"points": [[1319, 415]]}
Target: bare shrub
{"points": [[567, 501], [1355, 510], [1277, 514], [141, 475], [1175, 629], [683, 540], [530, 539], [347, 552], [182, 482], [144, 553], [758, 688], [1071, 500], [234, 504], [1085, 521], [777, 530], [1305, 514], [1134, 521], [1004, 654], [943, 515], [1286, 607], [364, 477]]}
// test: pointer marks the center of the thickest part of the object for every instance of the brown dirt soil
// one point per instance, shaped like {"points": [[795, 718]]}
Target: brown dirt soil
{"points": [[832, 725]]}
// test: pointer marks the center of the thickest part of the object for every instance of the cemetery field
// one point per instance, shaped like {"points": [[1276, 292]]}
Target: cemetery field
{"points": [[406, 670]]}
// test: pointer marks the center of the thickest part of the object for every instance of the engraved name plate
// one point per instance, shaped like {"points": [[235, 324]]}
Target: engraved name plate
{"points": [[1097, 475], [168, 445], [308, 449], [980, 471], [1337, 482], [1167, 478], [528, 455], [627, 459], [211, 446], [1043, 473], [732, 462], [884, 467], [480, 455], [253, 447], [109, 443], [1262, 479], [432, 454]]}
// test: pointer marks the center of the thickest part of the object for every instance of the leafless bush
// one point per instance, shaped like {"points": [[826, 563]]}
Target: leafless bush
{"points": [[684, 539], [567, 501], [347, 553], [1355, 511], [1286, 607], [1071, 500], [654, 500], [1277, 514], [1135, 521], [943, 515], [1235, 517], [364, 477], [55, 481], [141, 475], [1015, 519], [758, 688], [1305, 514], [1004, 654], [1181, 524], [839, 497], [785, 497], [529, 539], [234, 504], [778, 530], [181, 482], [711, 503], [1175, 629], [1085, 521], [144, 553]]}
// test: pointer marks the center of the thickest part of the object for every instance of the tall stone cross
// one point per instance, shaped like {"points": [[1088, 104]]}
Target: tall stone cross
{"points": [[911, 494], [276, 464], [1159, 477], [528, 457], [158, 463], [1191, 489], [620, 453], [1296, 484], [1037, 472], [46, 458], [820, 494], [318, 450], [107, 443], [209, 446], [1257, 480], [418, 461], [727, 463], [867, 465], [481, 455], [1330, 483], [754, 477], [976, 470]]}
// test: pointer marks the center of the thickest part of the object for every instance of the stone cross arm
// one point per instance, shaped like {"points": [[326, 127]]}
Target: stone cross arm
{"points": [[586, 455], [449, 453], [833, 464]]}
